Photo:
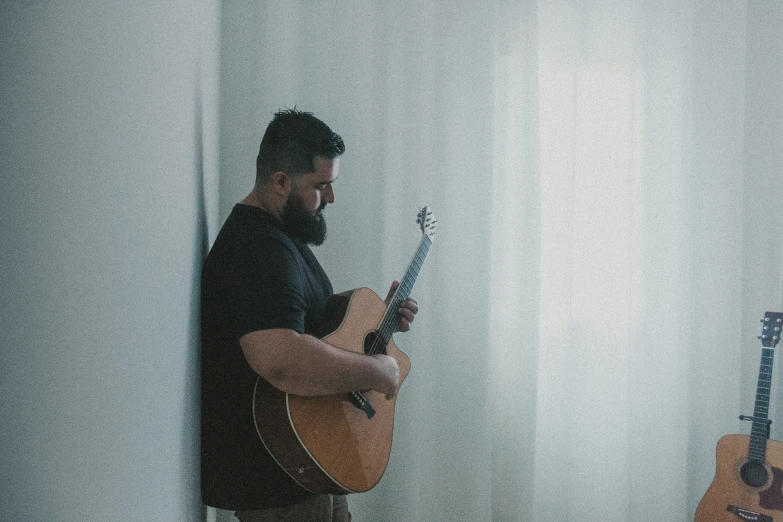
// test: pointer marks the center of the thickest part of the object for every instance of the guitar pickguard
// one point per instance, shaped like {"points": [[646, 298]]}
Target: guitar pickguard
{"points": [[772, 498]]}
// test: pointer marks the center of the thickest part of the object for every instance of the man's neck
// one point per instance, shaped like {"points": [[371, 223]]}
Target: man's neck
{"points": [[256, 199]]}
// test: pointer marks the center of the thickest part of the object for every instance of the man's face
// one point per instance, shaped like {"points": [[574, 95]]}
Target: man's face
{"points": [[310, 193]]}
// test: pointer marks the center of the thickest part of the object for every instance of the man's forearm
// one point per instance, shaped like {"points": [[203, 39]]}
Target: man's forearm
{"points": [[304, 365]]}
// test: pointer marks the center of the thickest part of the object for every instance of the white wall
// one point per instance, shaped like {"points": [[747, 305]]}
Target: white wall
{"points": [[106, 144]]}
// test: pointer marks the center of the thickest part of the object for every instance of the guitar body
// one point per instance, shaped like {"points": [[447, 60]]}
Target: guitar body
{"points": [[326, 443], [730, 499]]}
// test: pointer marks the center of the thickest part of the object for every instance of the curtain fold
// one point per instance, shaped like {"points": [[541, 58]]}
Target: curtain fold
{"points": [[582, 342]]}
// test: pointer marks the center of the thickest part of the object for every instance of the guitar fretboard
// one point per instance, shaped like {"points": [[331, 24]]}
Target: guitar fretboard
{"points": [[392, 316], [758, 433]]}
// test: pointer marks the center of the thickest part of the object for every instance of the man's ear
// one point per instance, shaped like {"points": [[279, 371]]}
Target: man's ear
{"points": [[280, 183]]}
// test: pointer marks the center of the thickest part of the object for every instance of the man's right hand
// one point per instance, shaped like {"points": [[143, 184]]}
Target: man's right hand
{"points": [[388, 376]]}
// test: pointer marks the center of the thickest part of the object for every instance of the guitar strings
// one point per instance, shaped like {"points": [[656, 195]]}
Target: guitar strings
{"points": [[392, 316]]}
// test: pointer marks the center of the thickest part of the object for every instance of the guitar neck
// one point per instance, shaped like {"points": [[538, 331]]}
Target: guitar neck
{"points": [[770, 336], [392, 316], [759, 431]]}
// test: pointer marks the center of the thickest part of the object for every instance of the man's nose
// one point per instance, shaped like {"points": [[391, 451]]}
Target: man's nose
{"points": [[329, 194]]}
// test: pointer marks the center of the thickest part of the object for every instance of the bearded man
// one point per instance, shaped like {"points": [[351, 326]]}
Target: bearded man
{"points": [[263, 294]]}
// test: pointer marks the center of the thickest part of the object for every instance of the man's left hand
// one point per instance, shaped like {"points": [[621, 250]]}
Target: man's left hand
{"points": [[408, 308]]}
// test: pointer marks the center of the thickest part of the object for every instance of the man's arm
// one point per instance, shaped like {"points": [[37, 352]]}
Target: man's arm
{"points": [[304, 365]]}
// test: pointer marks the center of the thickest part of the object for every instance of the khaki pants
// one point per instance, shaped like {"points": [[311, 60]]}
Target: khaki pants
{"points": [[321, 508]]}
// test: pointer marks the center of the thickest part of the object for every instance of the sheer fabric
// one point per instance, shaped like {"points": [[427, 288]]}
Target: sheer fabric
{"points": [[587, 328]]}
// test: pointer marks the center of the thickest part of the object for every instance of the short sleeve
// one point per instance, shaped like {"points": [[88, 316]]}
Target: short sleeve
{"points": [[266, 291]]}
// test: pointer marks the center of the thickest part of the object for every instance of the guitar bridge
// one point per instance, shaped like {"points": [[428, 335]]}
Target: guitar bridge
{"points": [[358, 400], [746, 514]]}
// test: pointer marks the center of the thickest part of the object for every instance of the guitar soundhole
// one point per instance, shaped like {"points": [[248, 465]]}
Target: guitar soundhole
{"points": [[754, 474], [372, 345]]}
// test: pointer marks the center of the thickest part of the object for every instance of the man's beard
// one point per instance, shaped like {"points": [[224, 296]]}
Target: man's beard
{"points": [[301, 224]]}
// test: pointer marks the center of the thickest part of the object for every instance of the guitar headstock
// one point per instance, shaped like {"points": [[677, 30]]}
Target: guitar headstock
{"points": [[427, 221], [770, 332]]}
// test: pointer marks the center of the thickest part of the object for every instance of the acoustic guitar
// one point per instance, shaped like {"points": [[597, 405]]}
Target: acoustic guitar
{"points": [[341, 443], [749, 475]]}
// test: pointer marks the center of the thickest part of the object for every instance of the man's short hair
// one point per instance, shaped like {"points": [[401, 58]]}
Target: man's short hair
{"points": [[291, 143]]}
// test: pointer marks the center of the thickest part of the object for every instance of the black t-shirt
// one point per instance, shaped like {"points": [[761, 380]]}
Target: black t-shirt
{"points": [[255, 277]]}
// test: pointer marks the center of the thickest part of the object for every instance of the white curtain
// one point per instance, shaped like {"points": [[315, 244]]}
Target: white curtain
{"points": [[603, 173]]}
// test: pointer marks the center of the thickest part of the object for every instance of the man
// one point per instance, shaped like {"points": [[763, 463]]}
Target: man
{"points": [[263, 292]]}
